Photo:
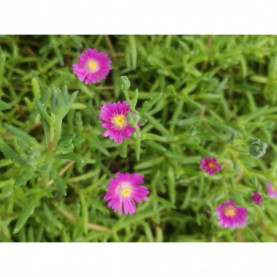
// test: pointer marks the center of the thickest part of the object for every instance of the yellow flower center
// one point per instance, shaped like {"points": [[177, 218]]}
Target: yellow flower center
{"points": [[124, 189], [211, 164], [229, 211], [119, 120], [126, 192], [92, 66]]}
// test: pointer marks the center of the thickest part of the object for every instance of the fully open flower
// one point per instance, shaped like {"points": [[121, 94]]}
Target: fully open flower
{"points": [[230, 215], [257, 198], [272, 192], [115, 120], [124, 191], [210, 165], [93, 66]]}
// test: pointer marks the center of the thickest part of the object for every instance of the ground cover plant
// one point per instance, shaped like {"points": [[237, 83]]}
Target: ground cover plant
{"points": [[189, 156]]}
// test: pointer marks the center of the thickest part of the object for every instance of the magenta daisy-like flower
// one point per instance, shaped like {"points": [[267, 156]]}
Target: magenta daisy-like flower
{"points": [[272, 192], [210, 165], [115, 120], [124, 191], [93, 66], [230, 215], [257, 198]]}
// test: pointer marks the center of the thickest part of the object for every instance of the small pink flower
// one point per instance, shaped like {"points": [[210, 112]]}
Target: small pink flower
{"points": [[93, 66], [257, 198], [210, 165], [126, 190], [115, 120], [230, 215], [272, 192]]}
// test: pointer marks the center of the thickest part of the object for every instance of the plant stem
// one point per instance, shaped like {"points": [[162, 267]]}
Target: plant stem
{"points": [[58, 131], [126, 94], [71, 217], [55, 132]]}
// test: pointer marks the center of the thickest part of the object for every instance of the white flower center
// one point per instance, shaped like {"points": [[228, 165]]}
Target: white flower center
{"points": [[124, 189]]}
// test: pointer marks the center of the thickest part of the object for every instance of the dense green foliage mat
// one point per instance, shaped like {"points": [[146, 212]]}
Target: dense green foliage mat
{"points": [[197, 96]]}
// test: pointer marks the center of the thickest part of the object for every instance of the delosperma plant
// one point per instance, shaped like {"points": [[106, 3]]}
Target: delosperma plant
{"points": [[89, 154], [93, 66]]}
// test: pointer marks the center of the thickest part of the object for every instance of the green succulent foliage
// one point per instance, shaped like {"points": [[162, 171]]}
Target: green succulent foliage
{"points": [[194, 96], [61, 101], [38, 161], [124, 83], [257, 148]]}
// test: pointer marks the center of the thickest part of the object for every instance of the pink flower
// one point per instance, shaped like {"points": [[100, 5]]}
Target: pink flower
{"points": [[272, 192], [257, 198], [115, 120], [126, 190], [93, 66], [210, 165], [231, 216]]}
